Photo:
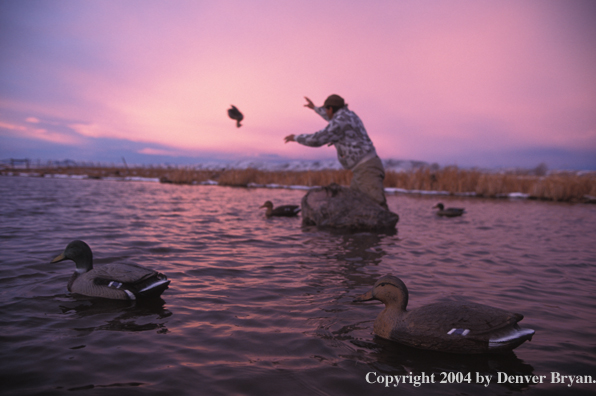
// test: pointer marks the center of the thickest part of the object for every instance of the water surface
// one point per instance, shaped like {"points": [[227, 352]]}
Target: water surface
{"points": [[263, 306]]}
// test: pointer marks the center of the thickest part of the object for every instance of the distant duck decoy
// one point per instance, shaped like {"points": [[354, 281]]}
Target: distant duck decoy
{"points": [[116, 281], [285, 210], [235, 114], [456, 327], [448, 212]]}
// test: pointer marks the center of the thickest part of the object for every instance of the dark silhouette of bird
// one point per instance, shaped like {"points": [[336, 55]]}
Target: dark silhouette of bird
{"points": [[235, 114], [285, 210], [448, 212]]}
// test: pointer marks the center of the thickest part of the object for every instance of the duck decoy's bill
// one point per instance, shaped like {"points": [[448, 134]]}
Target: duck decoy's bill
{"points": [[368, 296], [58, 258]]}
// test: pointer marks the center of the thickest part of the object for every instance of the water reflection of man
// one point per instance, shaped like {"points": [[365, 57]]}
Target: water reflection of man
{"points": [[355, 150]]}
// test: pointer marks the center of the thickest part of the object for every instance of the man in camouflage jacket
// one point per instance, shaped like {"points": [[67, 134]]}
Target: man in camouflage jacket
{"points": [[355, 150]]}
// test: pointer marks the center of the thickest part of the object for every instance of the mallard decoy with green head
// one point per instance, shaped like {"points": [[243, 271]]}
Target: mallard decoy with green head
{"points": [[285, 210], [448, 212], [116, 281], [457, 327]]}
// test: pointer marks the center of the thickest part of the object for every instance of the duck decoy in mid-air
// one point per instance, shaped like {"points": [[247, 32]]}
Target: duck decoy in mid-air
{"points": [[116, 281], [456, 327], [285, 210], [448, 212], [235, 114]]}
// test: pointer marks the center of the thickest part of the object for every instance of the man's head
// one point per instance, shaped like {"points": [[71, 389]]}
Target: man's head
{"points": [[334, 103]]}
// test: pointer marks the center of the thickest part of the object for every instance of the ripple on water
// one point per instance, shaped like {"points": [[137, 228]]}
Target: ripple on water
{"points": [[261, 305]]}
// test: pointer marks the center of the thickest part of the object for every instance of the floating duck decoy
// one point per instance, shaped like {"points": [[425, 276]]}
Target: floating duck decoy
{"points": [[285, 210], [456, 327], [235, 114], [448, 212], [114, 281]]}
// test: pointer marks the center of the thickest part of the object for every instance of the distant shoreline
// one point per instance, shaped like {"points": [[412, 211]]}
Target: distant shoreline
{"points": [[555, 186]]}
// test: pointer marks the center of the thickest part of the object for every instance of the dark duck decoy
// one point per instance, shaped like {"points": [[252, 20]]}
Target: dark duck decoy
{"points": [[456, 327], [448, 212], [116, 281], [285, 210], [235, 114]]}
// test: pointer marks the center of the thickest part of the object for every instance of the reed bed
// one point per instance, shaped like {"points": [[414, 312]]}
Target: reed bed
{"points": [[561, 186]]}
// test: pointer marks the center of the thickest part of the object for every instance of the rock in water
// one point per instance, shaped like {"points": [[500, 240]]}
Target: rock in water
{"points": [[340, 207]]}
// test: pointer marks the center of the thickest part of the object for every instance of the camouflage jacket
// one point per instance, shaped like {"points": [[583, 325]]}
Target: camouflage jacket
{"points": [[346, 132]]}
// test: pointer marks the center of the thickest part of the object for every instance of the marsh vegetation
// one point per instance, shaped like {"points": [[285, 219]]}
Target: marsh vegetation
{"points": [[562, 186]]}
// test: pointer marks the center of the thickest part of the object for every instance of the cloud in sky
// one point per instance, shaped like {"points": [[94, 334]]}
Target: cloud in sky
{"points": [[455, 82]]}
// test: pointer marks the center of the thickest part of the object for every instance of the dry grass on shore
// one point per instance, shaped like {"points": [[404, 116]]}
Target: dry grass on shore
{"points": [[563, 186]]}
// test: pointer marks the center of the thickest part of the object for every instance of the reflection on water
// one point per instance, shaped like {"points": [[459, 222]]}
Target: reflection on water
{"points": [[141, 315], [259, 306]]}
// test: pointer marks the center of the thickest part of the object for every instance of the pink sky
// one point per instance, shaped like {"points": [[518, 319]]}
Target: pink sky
{"points": [[473, 83]]}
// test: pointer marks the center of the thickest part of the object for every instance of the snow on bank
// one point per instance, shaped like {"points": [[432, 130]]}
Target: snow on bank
{"points": [[67, 176], [64, 176]]}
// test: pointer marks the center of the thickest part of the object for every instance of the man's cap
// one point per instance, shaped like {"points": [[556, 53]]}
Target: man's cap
{"points": [[335, 101]]}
